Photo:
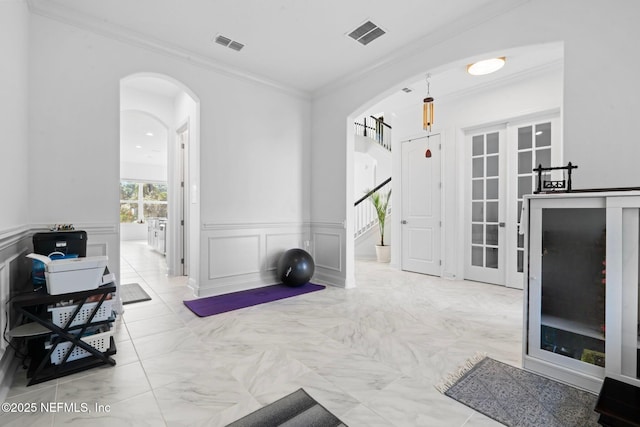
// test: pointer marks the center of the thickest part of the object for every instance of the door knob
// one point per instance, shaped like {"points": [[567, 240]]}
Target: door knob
{"points": [[404, 221], [501, 224]]}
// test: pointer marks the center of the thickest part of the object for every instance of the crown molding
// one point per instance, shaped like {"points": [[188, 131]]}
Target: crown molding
{"points": [[65, 15]]}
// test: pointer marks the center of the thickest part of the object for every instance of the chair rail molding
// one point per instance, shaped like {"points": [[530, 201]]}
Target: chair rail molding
{"points": [[11, 236]]}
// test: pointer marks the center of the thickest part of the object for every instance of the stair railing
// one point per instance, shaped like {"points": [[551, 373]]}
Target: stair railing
{"points": [[365, 216], [376, 129]]}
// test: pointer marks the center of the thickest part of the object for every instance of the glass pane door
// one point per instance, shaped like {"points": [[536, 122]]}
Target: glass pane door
{"points": [[534, 148], [484, 252], [533, 141], [485, 202]]}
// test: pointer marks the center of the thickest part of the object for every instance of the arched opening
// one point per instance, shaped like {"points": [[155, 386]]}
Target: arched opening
{"points": [[159, 142], [524, 96]]}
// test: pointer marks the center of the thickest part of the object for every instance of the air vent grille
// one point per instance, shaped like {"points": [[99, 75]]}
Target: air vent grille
{"points": [[366, 33], [407, 89], [227, 42], [235, 45], [223, 40]]}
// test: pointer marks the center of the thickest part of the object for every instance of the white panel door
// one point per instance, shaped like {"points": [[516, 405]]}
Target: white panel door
{"points": [[421, 205]]}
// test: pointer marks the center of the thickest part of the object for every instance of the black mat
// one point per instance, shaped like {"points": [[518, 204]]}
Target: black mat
{"points": [[516, 397], [133, 292], [295, 410]]}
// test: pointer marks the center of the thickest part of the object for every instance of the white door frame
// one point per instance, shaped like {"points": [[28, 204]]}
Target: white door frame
{"points": [[181, 224]]}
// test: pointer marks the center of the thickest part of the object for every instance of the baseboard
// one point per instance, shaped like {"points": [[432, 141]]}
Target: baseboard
{"points": [[324, 278]]}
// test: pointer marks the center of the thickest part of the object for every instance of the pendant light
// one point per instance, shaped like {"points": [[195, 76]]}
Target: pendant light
{"points": [[427, 109]]}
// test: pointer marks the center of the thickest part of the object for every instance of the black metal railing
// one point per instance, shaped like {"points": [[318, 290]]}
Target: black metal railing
{"points": [[365, 216], [376, 129]]}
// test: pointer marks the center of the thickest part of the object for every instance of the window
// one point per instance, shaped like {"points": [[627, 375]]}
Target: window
{"points": [[142, 200]]}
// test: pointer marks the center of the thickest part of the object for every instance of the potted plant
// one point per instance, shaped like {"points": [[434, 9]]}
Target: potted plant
{"points": [[380, 203]]}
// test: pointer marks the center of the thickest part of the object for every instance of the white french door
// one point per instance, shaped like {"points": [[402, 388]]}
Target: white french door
{"points": [[535, 142], [421, 205], [484, 231], [499, 164]]}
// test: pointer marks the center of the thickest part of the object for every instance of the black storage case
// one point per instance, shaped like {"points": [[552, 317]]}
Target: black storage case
{"points": [[68, 242]]}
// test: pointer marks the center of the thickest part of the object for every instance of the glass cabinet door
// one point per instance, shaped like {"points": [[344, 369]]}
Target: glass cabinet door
{"points": [[568, 284], [573, 283]]}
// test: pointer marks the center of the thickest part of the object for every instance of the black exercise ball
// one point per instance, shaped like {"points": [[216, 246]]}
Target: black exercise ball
{"points": [[295, 267]]}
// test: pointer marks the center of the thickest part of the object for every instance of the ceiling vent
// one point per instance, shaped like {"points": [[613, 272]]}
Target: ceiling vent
{"points": [[366, 33], [407, 90], [235, 45], [227, 42]]}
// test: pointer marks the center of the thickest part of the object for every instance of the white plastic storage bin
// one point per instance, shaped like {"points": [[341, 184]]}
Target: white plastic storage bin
{"points": [[100, 342], [74, 274], [61, 315]]}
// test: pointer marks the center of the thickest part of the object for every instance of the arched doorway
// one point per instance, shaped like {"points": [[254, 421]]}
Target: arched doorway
{"points": [[172, 169], [527, 93]]}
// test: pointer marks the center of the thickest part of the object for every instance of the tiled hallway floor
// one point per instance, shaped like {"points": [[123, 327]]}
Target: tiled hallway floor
{"points": [[371, 355]]}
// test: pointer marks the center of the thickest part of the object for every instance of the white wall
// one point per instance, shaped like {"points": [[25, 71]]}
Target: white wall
{"points": [[254, 139], [364, 174], [600, 59], [14, 160]]}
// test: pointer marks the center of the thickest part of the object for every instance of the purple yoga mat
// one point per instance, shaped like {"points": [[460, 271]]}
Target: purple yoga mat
{"points": [[229, 302]]}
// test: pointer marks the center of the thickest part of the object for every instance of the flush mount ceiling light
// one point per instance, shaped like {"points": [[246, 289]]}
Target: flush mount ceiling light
{"points": [[486, 66], [366, 33], [227, 42], [149, 134]]}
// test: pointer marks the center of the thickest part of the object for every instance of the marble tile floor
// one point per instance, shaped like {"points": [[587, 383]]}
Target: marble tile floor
{"points": [[371, 354]]}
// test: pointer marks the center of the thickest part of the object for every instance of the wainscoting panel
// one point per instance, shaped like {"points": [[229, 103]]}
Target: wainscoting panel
{"points": [[277, 244], [244, 256], [328, 241], [98, 249], [325, 245], [233, 256], [14, 278]]}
